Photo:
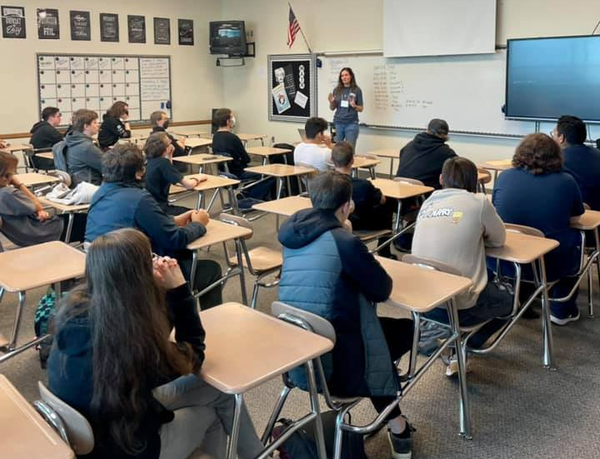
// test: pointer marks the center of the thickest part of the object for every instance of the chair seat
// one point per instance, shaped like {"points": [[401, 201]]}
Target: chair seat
{"points": [[367, 235], [262, 259]]}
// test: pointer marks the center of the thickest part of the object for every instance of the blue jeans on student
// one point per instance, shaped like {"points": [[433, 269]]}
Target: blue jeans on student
{"points": [[347, 132]]}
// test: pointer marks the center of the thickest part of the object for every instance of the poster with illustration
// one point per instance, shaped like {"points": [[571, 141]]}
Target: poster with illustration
{"points": [[13, 22], [293, 87]]}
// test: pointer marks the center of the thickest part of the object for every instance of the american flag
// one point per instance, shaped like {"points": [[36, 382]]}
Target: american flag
{"points": [[293, 28]]}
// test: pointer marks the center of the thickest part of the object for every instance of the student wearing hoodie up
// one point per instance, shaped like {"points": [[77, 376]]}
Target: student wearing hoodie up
{"points": [[423, 157], [115, 125]]}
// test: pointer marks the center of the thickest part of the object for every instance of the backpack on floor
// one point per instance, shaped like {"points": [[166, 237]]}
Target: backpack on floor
{"points": [[302, 443], [43, 314]]}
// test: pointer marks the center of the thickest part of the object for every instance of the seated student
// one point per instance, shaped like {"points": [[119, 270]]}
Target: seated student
{"points": [[454, 226], [329, 271], [315, 150], [24, 221], [112, 359], [423, 157], [83, 159], [224, 141], [115, 125], [161, 173], [121, 202], [536, 192], [159, 121], [580, 160], [371, 211], [44, 133]]}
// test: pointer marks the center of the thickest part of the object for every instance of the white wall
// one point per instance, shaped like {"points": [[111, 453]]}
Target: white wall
{"points": [[355, 25], [195, 82]]}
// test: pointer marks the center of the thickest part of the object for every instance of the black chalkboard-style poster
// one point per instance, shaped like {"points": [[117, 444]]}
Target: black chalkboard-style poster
{"points": [[13, 22], [292, 87], [186, 31], [136, 28], [81, 29], [47, 23], [162, 31], [109, 27]]}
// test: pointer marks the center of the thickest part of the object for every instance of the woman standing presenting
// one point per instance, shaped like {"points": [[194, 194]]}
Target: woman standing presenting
{"points": [[347, 101]]}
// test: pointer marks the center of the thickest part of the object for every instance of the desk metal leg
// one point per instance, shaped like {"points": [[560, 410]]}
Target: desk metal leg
{"points": [[17, 325], [398, 217], [193, 270], [279, 187], [548, 355], [415, 347], [314, 405], [391, 168], [235, 428], [200, 199], [69, 227], [238, 249]]}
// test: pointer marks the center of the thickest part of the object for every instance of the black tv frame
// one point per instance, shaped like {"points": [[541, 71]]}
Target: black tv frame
{"points": [[244, 46], [527, 118]]}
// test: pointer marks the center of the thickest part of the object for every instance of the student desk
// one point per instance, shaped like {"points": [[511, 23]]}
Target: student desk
{"points": [[522, 249], [399, 191], [390, 153], [25, 434], [590, 221], [70, 210], [246, 348], [33, 179], [249, 137], [202, 159], [420, 290], [45, 155], [284, 207], [281, 172], [192, 134], [267, 152], [197, 143], [364, 162], [216, 233], [497, 166], [32, 267], [212, 182], [22, 147]]}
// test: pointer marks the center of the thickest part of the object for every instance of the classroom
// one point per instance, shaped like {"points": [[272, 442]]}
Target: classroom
{"points": [[270, 233]]}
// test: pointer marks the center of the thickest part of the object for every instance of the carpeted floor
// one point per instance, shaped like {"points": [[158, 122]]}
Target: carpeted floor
{"points": [[519, 409]]}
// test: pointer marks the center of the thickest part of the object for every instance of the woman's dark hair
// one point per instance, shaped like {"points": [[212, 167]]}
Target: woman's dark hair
{"points": [[539, 154], [130, 332], [330, 190], [8, 161], [460, 173], [122, 163], [118, 109], [221, 117], [156, 144], [340, 86]]}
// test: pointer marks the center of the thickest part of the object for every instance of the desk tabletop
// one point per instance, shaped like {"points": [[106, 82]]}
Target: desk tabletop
{"points": [[365, 162], [25, 435], [588, 221], [266, 151], [45, 154], [522, 248], [420, 289], [280, 170], [191, 133], [400, 190], [217, 232], [197, 142], [210, 182], [63, 207], [39, 265], [245, 347], [12, 147], [33, 179], [248, 137], [284, 206], [202, 158], [497, 165], [386, 153]]}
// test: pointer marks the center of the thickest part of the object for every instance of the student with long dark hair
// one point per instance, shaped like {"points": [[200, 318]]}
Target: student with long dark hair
{"points": [[112, 359], [115, 125], [347, 101]]}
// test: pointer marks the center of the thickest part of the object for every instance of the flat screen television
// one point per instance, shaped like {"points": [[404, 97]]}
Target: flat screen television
{"points": [[550, 77], [228, 37]]}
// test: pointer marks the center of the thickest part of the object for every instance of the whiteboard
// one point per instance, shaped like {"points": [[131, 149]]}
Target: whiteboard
{"points": [[466, 91], [74, 81]]}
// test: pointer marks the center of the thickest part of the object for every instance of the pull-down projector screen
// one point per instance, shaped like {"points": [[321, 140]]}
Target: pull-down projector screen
{"points": [[438, 27]]}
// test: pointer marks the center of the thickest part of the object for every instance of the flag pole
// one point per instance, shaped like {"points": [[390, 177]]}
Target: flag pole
{"points": [[301, 31]]}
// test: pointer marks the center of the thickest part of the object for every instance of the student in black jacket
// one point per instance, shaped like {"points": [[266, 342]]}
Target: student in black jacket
{"points": [[45, 135], [424, 156], [112, 359], [115, 125]]}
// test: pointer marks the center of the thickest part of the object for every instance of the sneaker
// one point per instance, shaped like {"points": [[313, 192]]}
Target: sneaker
{"points": [[401, 444], [564, 319], [452, 366]]}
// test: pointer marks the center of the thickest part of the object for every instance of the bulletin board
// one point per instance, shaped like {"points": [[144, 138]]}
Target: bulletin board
{"points": [[292, 87], [74, 81]]}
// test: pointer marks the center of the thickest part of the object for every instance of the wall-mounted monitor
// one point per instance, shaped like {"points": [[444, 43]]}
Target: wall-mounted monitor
{"points": [[228, 37], [550, 77]]}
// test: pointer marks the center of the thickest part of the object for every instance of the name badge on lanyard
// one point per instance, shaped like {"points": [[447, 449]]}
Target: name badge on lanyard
{"points": [[344, 104]]}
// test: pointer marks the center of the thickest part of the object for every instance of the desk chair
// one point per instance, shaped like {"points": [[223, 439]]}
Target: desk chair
{"points": [[304, 180], [259, 261], [32, 162], [485, 177], [71, 425], [342, 406]]}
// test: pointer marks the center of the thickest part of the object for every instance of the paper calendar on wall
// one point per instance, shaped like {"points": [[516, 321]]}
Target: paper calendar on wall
{"points": [[95, 82]]}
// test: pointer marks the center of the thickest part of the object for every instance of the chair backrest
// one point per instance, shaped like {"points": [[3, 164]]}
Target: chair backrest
{"points": [[586, 206], [238, 221], [522, 229], [306, 178], [485, 176], [431, 264], [79, 430], [299, 317], [410, 181]]}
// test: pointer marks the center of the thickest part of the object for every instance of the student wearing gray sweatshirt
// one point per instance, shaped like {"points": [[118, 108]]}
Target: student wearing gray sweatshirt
{"points": [[454, 226]]}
